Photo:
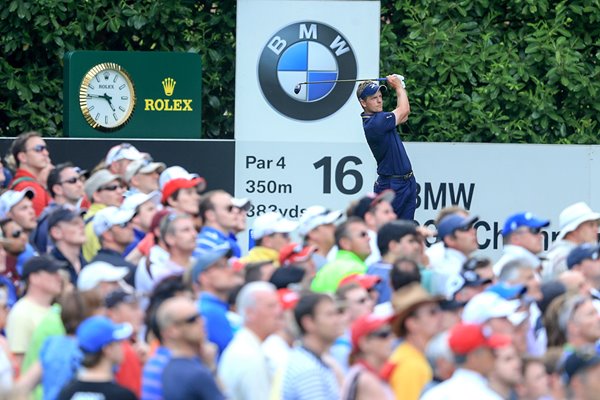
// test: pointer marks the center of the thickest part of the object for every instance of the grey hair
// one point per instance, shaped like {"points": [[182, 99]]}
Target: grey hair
{"points": [[246, 299], [567, 310], [437, 348], [510, 271]]}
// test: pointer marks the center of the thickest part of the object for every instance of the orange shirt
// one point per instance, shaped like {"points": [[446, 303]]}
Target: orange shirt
{"points": [[130, 370]]}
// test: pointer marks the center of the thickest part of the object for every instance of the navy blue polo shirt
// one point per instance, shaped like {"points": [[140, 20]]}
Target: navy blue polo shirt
{"points": [[385, 143]]}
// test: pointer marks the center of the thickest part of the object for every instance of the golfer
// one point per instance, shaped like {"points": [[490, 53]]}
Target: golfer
{"points": [[393, 165]]}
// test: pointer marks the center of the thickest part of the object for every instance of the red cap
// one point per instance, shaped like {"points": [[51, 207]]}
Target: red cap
{"points": [[364, 325], [288, 298], [181, 183], [464, 338], [237, 265], [157, 218], [366, 281], [294, 253]]}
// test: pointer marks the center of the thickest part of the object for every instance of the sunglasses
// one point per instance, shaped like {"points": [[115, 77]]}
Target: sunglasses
{"points": [[71, 181], [362, 300], [39, 148], [110, 188], [381, 334], [16, 234], [124, 224], [189, 320], [533, 231]]}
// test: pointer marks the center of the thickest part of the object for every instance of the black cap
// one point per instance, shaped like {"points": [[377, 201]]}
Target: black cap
{"points": [[580, 360], [285, 276], [42, 263], [119, 296], [369, 201], [550, 291], [62, 214]]}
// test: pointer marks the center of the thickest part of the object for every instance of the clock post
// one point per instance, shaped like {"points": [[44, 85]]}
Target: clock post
{"points": [[132, 95]]}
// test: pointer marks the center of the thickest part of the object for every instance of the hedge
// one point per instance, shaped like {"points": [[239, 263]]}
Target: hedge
{"points": [[521, 71]]}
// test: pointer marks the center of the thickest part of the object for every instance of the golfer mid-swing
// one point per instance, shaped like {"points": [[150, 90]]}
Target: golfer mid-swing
{"points": [[393, 165]]}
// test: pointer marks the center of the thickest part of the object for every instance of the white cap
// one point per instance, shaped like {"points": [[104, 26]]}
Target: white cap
{"points": [[142, 166], [11, 197], [175, 172], [270, 223], [99, 271], [573, 216], [133, 201], [315, 216], [109, 217], [123, 151], [242, 203], [513, 253], [487, 305]]}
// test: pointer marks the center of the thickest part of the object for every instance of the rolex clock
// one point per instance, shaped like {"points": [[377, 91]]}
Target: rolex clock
{"points": [[107, 97]]}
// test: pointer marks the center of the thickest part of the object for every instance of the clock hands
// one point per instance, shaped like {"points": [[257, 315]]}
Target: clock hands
{"points": [[105, 97]]}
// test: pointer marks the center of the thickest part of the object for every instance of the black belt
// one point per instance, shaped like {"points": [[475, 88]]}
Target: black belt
{"points": [[405, 177]]}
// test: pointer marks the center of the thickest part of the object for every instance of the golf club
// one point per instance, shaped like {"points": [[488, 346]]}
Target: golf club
{"points": [[298, 86]]}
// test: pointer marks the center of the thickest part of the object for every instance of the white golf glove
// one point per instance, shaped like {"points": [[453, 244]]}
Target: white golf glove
{"points": [[401, 80]]}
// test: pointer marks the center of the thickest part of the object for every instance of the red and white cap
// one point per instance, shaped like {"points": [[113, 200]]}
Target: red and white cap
{"points": [[365, 325], [366, 281], [288, 298], [295, 253], [465, 338], [175, 178]]}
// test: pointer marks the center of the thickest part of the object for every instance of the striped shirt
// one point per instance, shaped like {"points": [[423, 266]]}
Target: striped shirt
{"points": [[210, 239], [152, 388], [307, 377]]}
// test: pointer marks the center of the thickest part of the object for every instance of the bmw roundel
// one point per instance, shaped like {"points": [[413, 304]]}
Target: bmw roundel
{"points": [[306, 52]]}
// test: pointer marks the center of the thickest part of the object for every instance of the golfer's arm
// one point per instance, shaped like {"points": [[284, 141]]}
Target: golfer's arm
{"points": [[402, 106]]}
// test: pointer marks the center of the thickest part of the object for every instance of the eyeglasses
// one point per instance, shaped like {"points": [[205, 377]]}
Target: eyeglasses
{"points": [[189, 320], [381, 334], [110, 188], [16, 234], [38, 148], [71, 181]]}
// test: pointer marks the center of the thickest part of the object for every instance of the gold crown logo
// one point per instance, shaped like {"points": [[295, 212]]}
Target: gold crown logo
{"points": [[169, 86]]}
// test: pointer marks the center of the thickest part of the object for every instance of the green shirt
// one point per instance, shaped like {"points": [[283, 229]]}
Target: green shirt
{"points": [[330, 275]]}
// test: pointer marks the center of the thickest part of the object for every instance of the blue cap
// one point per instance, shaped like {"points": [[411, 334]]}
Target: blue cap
{"points": [[96, 332], [370, 90], [527, 219], [579, 254], [450, 223], [580, 360], [210, 257], [507, 292]]}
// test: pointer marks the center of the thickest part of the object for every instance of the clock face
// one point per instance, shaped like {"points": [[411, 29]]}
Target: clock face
{"points": [[107, 97]]}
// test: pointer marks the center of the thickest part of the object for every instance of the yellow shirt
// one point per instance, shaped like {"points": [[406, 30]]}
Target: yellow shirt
{"points": [[92, 244], [411, 372]]}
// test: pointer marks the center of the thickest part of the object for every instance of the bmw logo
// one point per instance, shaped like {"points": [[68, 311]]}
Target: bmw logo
{"points": [[307, 52]]}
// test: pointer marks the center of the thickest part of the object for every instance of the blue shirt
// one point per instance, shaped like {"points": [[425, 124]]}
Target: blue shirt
{"points": [[137, 238], [214, 312], [210, 238], [386, 146], [382, 270], [152, 387], [189, 378], [60, 358], [24, 256]]}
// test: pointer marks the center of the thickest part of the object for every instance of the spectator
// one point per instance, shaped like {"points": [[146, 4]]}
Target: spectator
{"points": [[32, 159], [142, 176], [18, 207], [66, 229], [270, 231], [65, 186], [295, 254], [119, 157], [240, 210], [179, 235], [460, 241], [585, 259], [376, 210], [102, 277], [243, 366], [582, 374], [185, 376], [506, 374], [417, 320], [482, 266], [371, 346], [317, 228], [473, 349], [580, 321], [215, 279], [104, 189], [536, 381], [99, 340], [578, 225], [440, 358], [258, 271], [181, 190], [15, 243], [310, 375], [219, 219], [491, 309], [43, 285], [112, 226], [352, 239], [396, 239], [149, 266], [144, 207]]}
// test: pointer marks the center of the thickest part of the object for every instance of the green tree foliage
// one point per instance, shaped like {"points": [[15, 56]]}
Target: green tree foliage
{"points": [[477, 70], [35, 34], [497, 71]]}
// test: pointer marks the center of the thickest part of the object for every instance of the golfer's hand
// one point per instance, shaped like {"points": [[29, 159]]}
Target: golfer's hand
{"points": [[396, 81]]}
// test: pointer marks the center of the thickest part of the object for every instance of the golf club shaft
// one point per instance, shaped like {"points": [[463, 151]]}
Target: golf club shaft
{"points": [[342, 80]]}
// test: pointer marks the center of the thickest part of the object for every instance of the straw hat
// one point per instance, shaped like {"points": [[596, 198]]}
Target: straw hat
{"points": [[406, 300]]}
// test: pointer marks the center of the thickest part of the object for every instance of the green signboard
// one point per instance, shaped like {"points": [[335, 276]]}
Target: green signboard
{"points": [[118, 94]]}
